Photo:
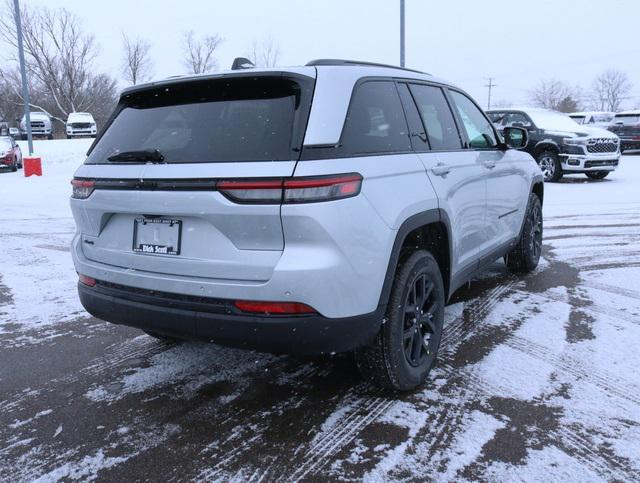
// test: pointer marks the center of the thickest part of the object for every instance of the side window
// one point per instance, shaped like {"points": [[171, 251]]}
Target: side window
{"points": [[516, 119], [416, 128], [437, 117], [479, 130], [375, 122]]}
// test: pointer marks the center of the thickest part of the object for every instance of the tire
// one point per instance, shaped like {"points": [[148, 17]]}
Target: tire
{"points": [[164, 338], [550, 165], [405, 349], [14, 166], [597, 174], [525, 256]]}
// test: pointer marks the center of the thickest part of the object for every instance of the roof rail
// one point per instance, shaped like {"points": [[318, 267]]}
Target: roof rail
{"points": [[345, 62]]}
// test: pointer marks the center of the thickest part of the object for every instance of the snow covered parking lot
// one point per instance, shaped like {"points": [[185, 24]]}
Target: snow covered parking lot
{"points": [[537, 379]]}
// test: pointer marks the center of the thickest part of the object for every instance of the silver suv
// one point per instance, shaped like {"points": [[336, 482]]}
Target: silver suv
{"points": [[327, 208]]}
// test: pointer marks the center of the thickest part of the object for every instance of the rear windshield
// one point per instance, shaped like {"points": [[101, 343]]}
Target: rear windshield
{"points": [[250, 118], [627, 119]]}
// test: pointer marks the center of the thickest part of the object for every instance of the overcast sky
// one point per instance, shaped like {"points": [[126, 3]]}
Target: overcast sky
{"points": [[466, 41]]}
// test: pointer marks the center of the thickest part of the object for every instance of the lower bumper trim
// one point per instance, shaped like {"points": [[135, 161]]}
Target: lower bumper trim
{"points": [[305, 334]]}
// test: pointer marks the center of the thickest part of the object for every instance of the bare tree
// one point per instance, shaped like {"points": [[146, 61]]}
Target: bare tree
{"points": [[199, 57], [136, 63], [58, 54], [264, 53], [59, 58], [556, 95], [609, 90]]}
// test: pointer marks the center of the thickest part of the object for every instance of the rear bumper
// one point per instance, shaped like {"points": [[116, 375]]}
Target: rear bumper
{"points": [[215, 320]]}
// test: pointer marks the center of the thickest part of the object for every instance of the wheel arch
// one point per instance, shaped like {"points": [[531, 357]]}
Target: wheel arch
{"points": [[538, 188], [545, 145], [429, 230]]}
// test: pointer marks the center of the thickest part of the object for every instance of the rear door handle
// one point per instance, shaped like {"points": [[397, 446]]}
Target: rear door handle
{"points": [[490, 164], [441, 169]]}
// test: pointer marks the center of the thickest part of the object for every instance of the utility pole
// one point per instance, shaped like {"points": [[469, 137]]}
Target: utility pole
{"points": [[401, 33], [490, 86], [23, 72]]}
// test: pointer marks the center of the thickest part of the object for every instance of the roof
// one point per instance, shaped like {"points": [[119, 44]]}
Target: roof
{"points": [[521, 108], [635, 112], [589, 113], [355, 63], [310, 70]]}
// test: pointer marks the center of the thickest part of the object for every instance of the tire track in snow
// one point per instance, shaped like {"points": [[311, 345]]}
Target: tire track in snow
{"points": [[473, 313], [367, 410], [612, 289], [316, 457], [581, 370], [596, 308], [571, 440], [139, 347]]}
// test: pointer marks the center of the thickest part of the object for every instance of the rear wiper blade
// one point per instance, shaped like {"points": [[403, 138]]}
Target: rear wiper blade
{"points": [[152, 155]]}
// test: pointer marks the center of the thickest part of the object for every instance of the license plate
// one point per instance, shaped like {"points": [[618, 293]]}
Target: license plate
{"points": [[160, 236]]}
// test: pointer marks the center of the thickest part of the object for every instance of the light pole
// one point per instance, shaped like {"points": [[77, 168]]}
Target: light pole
{"points": [[23, 72], [401, 33]]}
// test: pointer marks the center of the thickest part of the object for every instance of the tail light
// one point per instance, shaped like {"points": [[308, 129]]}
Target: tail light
{"points": [[280, 308], [294, 190], [82, 188], [252, 191]]}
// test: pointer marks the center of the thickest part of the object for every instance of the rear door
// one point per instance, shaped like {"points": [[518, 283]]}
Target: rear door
{"points": [[166, 216], [457, 176]]}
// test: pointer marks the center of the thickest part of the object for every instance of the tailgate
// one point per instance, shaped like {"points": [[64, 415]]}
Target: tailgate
{"points": [[217, 238], [153, 204]]}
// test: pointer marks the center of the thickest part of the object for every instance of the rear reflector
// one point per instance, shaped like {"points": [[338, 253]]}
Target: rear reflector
{"points": [[88, 281], [282, 308], [82, 188], [292, 190]]}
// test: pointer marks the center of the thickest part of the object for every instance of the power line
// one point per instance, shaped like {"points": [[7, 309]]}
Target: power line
{"points": [[490, 86]]}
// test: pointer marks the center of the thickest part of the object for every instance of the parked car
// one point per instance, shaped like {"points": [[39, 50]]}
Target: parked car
{"points": [[4, 128], [627, 125], [560, 145], [80, 124], [327, 208], [10, 153], [40, 125], [593, 118]]}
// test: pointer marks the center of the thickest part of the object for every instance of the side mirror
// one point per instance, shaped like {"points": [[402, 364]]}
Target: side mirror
{"points": [[515, 137]]}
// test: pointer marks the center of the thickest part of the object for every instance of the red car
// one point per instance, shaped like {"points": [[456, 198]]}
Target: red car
{"points": [[10, 154]]}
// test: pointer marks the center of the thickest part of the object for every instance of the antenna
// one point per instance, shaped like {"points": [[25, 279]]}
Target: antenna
{"points": [[241, 63]]}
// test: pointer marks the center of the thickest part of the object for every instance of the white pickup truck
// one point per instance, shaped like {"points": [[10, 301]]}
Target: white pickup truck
{"points": [[81, 124], [40, 125]]}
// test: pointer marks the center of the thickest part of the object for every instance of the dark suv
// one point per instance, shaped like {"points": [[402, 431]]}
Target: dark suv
{"points": [[560, 145], [627, 126]]}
